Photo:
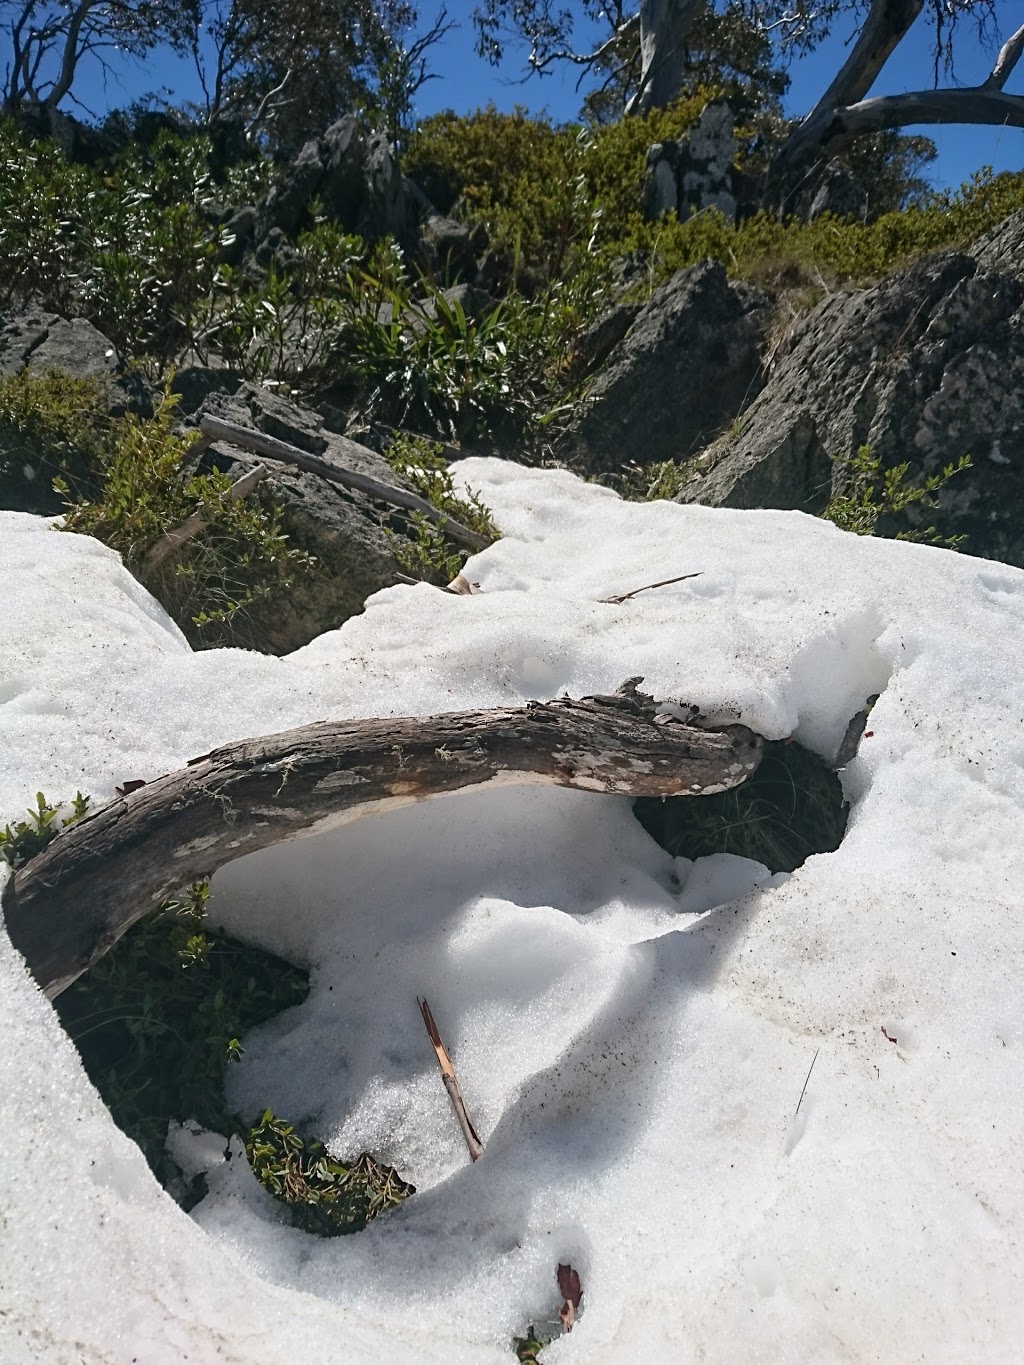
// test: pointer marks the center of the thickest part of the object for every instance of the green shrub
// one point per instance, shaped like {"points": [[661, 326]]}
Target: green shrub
{"points": [[157, 1021], [870, 493], [55, 427], [327, 1197], [24, 840], [545, 194], [124, 245], [240, 557], [827, 251], [429, 553]]}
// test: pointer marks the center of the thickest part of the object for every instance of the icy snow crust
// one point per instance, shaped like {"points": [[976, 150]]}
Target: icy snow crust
{"points": [[633, 1067]]}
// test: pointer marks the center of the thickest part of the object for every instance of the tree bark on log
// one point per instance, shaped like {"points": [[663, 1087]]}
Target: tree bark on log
{"points": [[68, 905]]}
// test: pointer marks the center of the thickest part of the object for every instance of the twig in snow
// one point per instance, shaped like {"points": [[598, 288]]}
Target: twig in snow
{"points": [[625, 596], [451, 1083], [806, 1082]]}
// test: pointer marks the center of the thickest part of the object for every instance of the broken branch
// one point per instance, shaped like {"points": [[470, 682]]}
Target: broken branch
{"points": [[200, 520], [451, 1084], [68, 905], [274, 449]]}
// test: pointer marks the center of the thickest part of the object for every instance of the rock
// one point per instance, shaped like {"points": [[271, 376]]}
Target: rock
{"points": [[838, 194], [688, 366], [599, 340], [926, 366], [346, 531], [44, 344], [239, 229], [355, 176], [448, 249], [695, 173], [1002, 249], [474, 302]]}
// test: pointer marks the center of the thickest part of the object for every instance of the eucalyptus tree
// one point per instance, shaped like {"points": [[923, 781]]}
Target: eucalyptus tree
{"points": [[645, 48]]}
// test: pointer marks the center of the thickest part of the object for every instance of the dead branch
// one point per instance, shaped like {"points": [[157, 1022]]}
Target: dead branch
{"points": [[663, 583], [200, 520], [451, 1084], [66, 907], [1009, 56], [347, 478]]}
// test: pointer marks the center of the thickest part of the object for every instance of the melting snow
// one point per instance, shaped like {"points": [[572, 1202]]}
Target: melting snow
{"points": [[632, 1032]]}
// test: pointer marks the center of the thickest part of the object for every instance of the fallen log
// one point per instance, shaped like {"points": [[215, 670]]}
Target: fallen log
{"points": [[70, 903]]}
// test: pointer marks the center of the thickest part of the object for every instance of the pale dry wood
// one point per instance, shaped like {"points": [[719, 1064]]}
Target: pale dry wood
{"points": [[274, 449], [200, 520], [451, 1084], [66, 907], [662, 583]]}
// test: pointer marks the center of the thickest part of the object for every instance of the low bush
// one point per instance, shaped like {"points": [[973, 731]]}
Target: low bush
{"points": [[428, 553], [869, 495], [122, 481]]}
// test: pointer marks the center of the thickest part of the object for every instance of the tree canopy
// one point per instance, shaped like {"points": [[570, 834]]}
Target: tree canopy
{"points": [[648, 52]]}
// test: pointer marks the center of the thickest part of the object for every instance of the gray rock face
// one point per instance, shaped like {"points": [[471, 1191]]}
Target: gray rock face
{"points": [[695, 173], [448, 249], [927, 366], [838, 194], [344, 530], [47, 344], [687, 368], [1002, 249], [356, 177]]}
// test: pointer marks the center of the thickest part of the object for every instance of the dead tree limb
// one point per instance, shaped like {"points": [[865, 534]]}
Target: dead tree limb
{"points": [[274, 449], [200, 520], [67, 906], [844, 112]]}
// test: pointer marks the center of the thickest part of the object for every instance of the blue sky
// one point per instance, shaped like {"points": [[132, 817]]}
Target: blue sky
{"points": [[466, 82]]}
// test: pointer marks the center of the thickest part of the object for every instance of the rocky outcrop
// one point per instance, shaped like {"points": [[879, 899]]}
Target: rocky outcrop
{"points": [[1002, 249], [925, 367], [355, 176], [686, 368], [346, 531], [46, 344]]}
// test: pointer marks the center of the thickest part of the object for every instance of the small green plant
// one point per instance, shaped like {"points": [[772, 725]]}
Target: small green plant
{"points": [[157, 1021], [427, 552], [870, 493], [24, 840], [324, 1196], [242, 555], [527, 1349], [51, 426]]}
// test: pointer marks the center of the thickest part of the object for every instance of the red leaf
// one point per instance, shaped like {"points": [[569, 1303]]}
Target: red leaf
{"points": [[571, 1291]]}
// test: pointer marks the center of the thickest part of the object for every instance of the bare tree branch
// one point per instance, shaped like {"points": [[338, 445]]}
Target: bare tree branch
{"points": [[68, 905], [887, 24], [1009, 56], [972, 105]]}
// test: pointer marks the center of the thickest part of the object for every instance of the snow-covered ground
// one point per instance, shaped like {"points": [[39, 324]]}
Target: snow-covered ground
{"points": [[633, 1065]]}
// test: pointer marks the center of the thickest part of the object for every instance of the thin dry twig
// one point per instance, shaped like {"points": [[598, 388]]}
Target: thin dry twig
{"points": [[806, 1083], [451, 1084], [625, 596]]}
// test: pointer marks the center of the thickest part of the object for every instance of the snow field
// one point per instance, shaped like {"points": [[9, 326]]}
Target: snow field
{"points": [[632, 1032]]}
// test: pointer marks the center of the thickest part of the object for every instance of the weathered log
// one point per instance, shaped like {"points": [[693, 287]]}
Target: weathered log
{"points": [[67, 906]]}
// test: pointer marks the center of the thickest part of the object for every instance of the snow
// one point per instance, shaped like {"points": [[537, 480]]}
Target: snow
{"points": [[632, 1032]]}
